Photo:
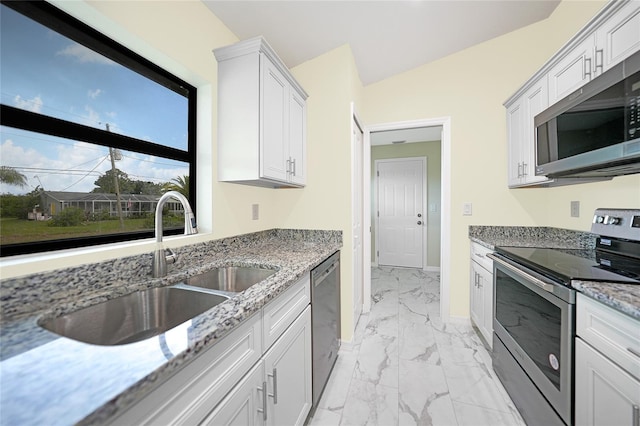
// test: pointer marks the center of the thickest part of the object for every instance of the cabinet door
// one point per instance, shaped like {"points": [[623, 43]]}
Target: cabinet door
{"points": [[515, 132], [477, 296], [244, 404], [572, 72], [535, 101], [618, 37], [274, 121], [288, 369], [486, 287], [605, 394], [297, 138]]}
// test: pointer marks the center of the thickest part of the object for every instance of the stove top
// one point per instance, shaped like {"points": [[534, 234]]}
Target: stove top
{"points": [[564, 265]]}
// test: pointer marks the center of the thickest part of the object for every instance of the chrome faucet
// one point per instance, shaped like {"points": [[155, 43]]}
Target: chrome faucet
{"points": [[159, 266]]}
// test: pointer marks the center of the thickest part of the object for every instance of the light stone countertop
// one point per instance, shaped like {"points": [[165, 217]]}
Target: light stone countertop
{"points": [[622, 297], [52, 380]]}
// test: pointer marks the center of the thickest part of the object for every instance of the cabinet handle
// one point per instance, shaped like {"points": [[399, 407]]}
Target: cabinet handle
{"points": [[636, 416], [274, 395], [289, 166], [584, 71], [263, 389], [633, 351], [600, 52], [525, 169], [294, 167], [519, 170]]}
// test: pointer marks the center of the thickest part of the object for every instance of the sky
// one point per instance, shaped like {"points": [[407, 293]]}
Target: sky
{"points": [[44, 72]]}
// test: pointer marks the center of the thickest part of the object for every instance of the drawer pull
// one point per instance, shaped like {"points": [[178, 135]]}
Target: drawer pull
{"points": [[633, 351], [274, 395], [636, 416], [263, 389]]}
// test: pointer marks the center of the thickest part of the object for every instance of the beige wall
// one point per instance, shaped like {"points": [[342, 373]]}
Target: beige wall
{"points": [[470, 87], [432, 151]]}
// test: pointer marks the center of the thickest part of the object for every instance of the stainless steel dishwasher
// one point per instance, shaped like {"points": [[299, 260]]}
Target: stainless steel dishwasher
{"points": [[325, 317]]}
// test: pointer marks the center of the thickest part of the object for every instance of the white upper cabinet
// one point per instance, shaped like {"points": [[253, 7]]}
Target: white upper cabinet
{"points": [[572, 72], [261, 118], [610, 37]]}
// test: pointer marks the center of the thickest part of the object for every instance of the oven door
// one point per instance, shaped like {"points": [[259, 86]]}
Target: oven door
{"points": [[534, 319]]}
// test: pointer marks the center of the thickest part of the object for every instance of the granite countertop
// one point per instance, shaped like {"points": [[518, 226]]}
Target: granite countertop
{"points": [[622, 297], [48, 379]]}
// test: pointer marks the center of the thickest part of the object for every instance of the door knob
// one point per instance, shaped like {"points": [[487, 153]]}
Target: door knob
{"points": [[419, 214], [419, 222]]}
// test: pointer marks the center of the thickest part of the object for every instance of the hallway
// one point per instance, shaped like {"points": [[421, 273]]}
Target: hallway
{"points": [[405, 367]]}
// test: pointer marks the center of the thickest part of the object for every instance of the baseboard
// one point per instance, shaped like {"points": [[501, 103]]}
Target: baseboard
{"points": [[459, 320], [431, 269]]}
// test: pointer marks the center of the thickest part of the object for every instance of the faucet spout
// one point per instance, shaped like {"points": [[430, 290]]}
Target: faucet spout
{"points": [[159, 266]]}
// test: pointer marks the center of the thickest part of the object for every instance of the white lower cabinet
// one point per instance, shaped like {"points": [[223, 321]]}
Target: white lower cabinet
{"points": [[481, 311], [259, 374], [281, 382], [607, 366], [605, 393]]}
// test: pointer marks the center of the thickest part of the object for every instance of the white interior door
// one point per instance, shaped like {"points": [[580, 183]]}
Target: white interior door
{"points": [[401, 215], [356, 186]]}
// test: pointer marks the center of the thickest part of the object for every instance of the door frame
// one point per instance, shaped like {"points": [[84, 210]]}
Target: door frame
{"points": [[376, 200], [356, 125], [445, 205]]}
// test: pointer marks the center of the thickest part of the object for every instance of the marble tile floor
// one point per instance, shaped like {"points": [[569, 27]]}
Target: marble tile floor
{"points": [[406, 367]]}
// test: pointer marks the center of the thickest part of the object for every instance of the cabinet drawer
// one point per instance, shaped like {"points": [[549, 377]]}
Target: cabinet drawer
{"points": [[610, 332], [479, 255], [282, 311], [191, 394]]}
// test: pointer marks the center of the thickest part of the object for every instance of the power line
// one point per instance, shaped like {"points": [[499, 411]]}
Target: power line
{"points": [[79, 180]]}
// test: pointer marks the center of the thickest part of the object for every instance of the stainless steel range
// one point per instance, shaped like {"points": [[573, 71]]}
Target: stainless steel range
{"points": [[534, 315]]}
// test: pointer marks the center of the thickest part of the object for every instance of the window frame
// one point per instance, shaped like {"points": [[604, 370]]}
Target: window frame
{"points": [[63, 23]]}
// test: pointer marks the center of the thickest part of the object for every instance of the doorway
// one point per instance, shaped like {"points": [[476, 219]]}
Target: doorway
{"points": [[400, 212], [442, 206]]}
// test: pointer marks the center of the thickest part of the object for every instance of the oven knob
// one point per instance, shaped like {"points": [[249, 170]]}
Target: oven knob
{"points": [[610, 220], [598, 219]]}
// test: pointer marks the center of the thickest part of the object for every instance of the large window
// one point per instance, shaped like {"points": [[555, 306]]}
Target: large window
{"points": [[91, 135]]}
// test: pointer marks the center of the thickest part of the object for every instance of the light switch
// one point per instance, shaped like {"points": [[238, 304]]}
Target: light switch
{"points": [[467, 209], [255, 211], [575, 209], [433, 207]]}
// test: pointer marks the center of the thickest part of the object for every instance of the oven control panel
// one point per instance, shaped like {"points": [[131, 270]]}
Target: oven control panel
{"points": [[617, 223]]}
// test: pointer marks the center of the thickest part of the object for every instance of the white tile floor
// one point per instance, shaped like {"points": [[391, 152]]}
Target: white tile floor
{"points": [[406, 367]]}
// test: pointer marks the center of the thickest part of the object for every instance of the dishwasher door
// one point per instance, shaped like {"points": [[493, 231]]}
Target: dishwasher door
{"points": [[325, 318]]}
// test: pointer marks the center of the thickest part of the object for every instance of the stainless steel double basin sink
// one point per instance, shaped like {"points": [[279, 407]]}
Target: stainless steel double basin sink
{"points": [[147, 313]]}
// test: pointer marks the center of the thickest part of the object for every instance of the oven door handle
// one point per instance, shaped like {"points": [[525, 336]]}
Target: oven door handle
{"points": [[539, 283]]}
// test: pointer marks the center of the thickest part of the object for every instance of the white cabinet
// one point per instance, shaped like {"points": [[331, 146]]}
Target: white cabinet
{"points": [[270, 352], [573, 71], [521, 132], [482, 291], [261, 118], [607, 365], [288, 374], [615, 37], [278, 390]]}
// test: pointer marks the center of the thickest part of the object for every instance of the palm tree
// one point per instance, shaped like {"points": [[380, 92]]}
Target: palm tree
{"points": [[180, 184], [11, 176]]}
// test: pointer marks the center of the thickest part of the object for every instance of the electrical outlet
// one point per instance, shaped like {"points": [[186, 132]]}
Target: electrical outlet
{"points": [[575, 209], [467, 209], [255, 211]]}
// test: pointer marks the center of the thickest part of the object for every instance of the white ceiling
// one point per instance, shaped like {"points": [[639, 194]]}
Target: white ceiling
{"points": [[386, 37], [416, 134]]}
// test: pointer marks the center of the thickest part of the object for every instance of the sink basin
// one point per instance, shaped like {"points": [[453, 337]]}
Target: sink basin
{"points": [[231, 278], [134, 317]]}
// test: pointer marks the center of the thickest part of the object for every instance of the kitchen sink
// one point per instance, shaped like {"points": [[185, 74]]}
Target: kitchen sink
{"points": [[232, 279], [134, 317]]}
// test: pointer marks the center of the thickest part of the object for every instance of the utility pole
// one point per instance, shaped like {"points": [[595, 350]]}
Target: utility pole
{"points": [[116, 183]]}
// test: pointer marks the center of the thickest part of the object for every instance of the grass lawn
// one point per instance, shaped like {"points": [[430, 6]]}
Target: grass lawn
{"points": [[14, 230]]}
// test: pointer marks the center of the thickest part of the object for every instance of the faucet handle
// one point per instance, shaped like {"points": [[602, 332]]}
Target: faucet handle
{"points": [[170, 256]]}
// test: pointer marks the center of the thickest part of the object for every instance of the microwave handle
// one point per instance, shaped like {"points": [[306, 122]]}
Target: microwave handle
{"points": [[539, 283]]}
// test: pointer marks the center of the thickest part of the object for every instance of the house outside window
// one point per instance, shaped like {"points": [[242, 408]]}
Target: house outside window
{"points": [[91, 135]]}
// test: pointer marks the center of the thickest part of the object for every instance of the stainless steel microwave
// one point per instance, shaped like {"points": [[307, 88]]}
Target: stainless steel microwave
{"points": [[595, 131]]}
